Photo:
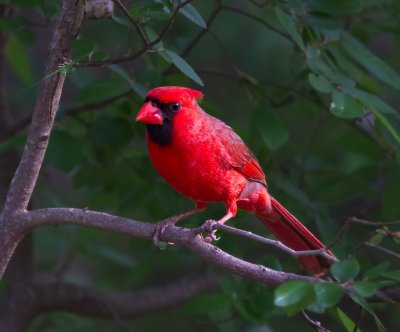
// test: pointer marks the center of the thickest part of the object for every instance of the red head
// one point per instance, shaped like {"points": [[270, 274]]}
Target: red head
{"points": [[164, 100]]}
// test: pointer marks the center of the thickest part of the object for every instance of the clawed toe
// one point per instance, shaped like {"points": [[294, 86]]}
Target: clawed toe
{"points": [[160, 229], [210, 229]]}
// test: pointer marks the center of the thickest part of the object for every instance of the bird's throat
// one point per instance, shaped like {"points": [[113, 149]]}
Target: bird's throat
{"points": [[161, 134]]}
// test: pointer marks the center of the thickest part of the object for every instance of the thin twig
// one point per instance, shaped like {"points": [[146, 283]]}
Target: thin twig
{"points": [[70, 110], [189, 238], [46, 294], [354, 220], [256, 18], [277, 244], [387, 251], [23, 183], [203, 31], [373, 223], [314, 324], [339, 235], [134, 55], [132, 20]]}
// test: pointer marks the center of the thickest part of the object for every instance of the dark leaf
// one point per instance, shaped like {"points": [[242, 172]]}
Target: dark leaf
{"points": [[182, 65], [288, 23], [294, 296], [371, 62], [377, 270], [346, 321], [365, 288], [345, 269], [190, 12], [344, 106]]}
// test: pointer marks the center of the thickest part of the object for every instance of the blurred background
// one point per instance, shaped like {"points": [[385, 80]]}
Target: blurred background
{"points": [[311, 86]]}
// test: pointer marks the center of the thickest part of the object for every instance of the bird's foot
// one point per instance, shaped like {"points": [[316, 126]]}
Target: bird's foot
{"points": [[160, 229], [209, 227]]}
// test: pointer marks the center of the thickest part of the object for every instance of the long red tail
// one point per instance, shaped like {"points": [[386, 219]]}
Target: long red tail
{"points": [[295, 235]]}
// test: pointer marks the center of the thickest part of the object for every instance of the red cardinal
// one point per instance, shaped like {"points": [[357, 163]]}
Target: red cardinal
{"points": [[204, 159]]}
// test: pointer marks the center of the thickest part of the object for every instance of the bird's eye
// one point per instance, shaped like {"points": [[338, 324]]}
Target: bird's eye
{"points": [[155, 103], [174, 107]]}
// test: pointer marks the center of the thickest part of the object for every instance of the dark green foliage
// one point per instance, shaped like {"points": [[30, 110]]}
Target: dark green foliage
{"points": [[312, 87]]}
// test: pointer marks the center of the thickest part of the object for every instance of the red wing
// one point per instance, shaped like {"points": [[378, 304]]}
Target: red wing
{"points": [[252, 170], [243, 160], [239, 155]]}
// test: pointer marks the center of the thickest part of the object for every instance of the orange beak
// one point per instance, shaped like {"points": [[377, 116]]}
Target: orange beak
{"points": [[149, 114]]}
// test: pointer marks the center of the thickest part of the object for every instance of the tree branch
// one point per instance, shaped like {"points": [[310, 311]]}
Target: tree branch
{"points": [[24, 180], [189, 238], [356, 220], [46, 295], [183, 236], [70, 110], [95, 9], [258, 19], [277, 244], [134, 55], [90, 302], [132, 20], [387, 251], [196, 39]]}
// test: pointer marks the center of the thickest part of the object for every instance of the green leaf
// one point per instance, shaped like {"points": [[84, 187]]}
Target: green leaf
{"points": [[288, 23], [395, 275], [201, 304], [191, 13], [387, 124], [320, 83], [13, 142], [18, 60], [340, 79], [365, 305], [152, 36], [315, 62], [122, 21], [328, 294], [354, 72], [346, 321], [369, 61], [345, 269], [344, 106], [376, 238], [182, 65], [377, 270], [371, 101], [365, 288], [294, 296]]}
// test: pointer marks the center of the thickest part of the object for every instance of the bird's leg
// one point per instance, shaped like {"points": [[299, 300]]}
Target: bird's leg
{"points": [[210, 225], [163, 224]]}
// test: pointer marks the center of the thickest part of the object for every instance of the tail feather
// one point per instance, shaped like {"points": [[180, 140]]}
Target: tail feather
{"points": [[295, 235]]}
